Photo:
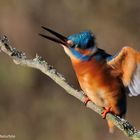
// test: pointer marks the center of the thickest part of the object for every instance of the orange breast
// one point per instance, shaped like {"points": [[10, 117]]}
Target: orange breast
{"points": [[99, 84]]}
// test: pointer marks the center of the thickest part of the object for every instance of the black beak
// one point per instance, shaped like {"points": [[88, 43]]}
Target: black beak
{"points": [[61, 39]]}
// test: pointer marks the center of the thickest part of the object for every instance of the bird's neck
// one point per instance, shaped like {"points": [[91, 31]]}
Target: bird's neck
{"points": [[83, 55], [102, 55], [97, 54]]}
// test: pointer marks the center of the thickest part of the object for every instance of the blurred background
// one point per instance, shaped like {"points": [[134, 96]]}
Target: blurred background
{"points": [[32, 106]]}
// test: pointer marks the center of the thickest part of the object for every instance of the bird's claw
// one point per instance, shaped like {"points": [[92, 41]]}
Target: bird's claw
{"points": [[86, 100], [105, 111]]}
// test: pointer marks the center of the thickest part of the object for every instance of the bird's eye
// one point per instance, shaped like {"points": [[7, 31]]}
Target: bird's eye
{"points": [[74, 46]]}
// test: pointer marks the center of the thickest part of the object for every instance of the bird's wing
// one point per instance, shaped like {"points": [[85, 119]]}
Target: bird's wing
{"points": [[127, 65]]}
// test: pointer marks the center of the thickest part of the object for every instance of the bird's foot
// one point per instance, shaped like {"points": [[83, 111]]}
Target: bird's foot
{"points": [[106, 110], [86, 100]]}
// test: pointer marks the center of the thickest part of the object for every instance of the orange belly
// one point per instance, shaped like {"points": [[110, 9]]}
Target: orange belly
{"points": [[100, 85]]}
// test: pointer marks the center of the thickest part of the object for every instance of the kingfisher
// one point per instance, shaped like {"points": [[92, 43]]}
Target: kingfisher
{"points": [[105, 79]]}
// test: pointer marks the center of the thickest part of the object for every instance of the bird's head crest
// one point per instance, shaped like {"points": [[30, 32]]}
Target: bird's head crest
{"points": [[83, 40]]}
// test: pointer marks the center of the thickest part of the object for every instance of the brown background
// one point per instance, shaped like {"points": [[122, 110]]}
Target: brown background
{"points": [[32, 106]]}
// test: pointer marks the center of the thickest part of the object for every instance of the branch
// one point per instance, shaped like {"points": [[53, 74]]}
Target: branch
{"points": [[38, 63]]}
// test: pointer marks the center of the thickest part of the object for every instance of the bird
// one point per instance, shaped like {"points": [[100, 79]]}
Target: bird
{"points": [[106, 79]]}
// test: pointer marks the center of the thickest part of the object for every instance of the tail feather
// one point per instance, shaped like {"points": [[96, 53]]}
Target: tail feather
{"points": [[111, 126]]}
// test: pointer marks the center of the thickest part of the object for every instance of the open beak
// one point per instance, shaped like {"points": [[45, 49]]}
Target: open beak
{"points": [[60, 38]]}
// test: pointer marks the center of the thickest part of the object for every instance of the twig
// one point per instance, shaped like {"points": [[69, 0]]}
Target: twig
{"points": [[40, 64]]}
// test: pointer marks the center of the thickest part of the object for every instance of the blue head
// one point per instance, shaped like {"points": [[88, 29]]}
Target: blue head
{"points": [[83, 40], [84, 45], [79, 46]]}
